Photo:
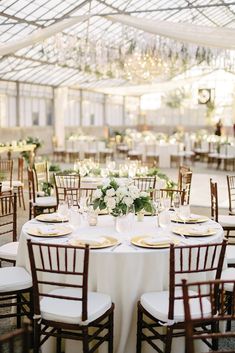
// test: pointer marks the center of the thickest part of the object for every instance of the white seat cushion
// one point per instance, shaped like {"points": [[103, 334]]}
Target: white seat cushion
{"points": [[15, 183], [228, 274], [14, 278], [45, 201], [70, 311], [9, 250], [226, 221], [230, 254], [157, 304]]}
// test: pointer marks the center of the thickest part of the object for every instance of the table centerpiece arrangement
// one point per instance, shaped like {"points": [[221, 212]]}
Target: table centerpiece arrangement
{"points": [[121, 199]]}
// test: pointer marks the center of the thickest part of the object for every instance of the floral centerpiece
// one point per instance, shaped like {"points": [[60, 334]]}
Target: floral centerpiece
{"points": [[117, 197]]}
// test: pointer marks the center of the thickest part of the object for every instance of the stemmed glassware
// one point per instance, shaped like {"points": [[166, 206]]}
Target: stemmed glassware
{"points": [[63, 210], [157, 207]]}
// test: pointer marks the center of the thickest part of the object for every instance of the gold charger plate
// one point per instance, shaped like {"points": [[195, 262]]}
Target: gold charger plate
{"points": [[191, 220], [190, 233], [109, 242], [48, 219], [61, 231], [139, 241]]}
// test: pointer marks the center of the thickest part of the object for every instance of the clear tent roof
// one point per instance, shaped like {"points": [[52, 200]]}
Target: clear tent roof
{"points": [[54, 61]]}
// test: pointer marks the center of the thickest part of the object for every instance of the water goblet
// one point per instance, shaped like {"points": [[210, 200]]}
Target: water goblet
{"points": [[164, 219], [63, 210], [184, 212]]}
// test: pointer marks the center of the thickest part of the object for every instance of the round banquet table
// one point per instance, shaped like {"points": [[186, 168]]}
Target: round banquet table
{"points": [[124, 272]]}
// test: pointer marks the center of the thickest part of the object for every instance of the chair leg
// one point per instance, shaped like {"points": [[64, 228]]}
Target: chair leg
{"points": [[22, 197], [139, 328], [168, 340], [36, 343], [229, 311], [110, 343], [58, 341], [18, 310], [19, 196], [85, 342]]}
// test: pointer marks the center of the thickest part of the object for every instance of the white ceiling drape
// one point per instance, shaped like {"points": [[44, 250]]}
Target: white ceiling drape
{"points": [[215, 37], [39, 35]]}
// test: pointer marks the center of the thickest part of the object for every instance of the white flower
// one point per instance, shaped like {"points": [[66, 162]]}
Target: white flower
{"points": [[143, 194], [121, 191], [110, 202], [128, 200], [133, 191], [97, 194], [110, 192]]}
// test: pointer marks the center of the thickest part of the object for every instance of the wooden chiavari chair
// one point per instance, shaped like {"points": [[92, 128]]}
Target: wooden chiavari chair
{"points": [[231, 193], [8, 227], [170, 193], [6, 170], [145, 183], [67, 187], [165, 308], [67, 309], [185, 184], [18, 185], [15, 293], [87, 193], [38, 205], [183, 169], [210, 297], [41, 174], [227, 222], [18, 341]]}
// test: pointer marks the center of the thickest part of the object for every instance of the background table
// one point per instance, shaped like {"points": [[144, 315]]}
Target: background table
{"points": [[124, 273]]}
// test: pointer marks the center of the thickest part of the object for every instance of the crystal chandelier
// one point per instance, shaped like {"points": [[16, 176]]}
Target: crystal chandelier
{"points": [[141, 67]]}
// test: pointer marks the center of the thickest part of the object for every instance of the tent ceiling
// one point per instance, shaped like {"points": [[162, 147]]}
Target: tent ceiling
{"points": [[21, 18]]}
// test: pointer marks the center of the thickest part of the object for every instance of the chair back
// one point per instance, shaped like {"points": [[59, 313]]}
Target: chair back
{"points": [[51, 261], [190, 261], [16, 341], [214, 200], [67, 187], [87, 193], [170, 193], [6, 170], [183, 169], [214, 294], [20, 171], [42, 173], [32, 185], [231, 193], [145, 183], [8, 215]]}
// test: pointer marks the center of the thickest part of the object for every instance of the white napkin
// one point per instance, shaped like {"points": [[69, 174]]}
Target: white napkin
{"points": [[90, 240], [47, 230], [54, 217], [198, 230], [156, 240]]}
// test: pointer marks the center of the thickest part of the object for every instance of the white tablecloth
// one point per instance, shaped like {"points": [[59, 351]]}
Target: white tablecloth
{"points": [[124, 273]]}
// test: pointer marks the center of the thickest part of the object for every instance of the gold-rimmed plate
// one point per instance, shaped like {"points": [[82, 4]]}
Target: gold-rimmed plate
{"points": [[190, 232], [106, 243], [191, 220], [142, 241], [51, 218], [52, 232]]}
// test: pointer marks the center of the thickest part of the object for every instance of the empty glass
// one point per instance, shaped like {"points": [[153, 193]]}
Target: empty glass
{"points": [[164, 219], [184, 212], [63, 210]]}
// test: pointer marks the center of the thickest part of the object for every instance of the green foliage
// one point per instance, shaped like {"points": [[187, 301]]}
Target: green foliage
{"points": [[47, 188], [54, 168]]}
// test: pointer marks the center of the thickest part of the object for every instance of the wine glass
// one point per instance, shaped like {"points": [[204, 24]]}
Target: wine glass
{"points": [[157, 207], [184, 212], [82, 203], [176, 204], [63, 210], [164, 219]]}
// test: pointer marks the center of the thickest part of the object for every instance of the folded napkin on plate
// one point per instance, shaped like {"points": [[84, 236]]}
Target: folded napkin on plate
{"points": [[47, 230], [198, 231], [91, 240], [53, 217], [156, 240]]}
